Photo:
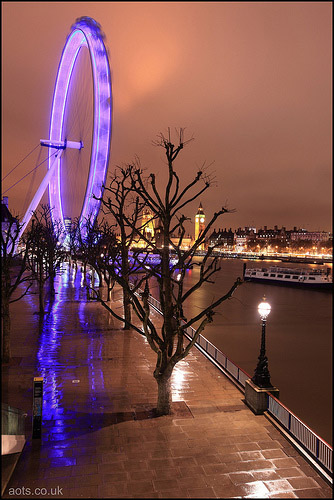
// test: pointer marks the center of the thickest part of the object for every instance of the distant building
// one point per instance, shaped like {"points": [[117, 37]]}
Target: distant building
{"points": [[158, 235], [199, 224], [243, 236], [266, 233], [222, 239], [314, 236], [68, 224], [8, 221], [240, 241], [184, 243], [276, 235], [148, 224], [147, 229], [228, 239]]}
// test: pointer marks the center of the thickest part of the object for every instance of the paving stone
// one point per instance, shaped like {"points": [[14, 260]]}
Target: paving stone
{"points": [[301, 483], [201, 493]]}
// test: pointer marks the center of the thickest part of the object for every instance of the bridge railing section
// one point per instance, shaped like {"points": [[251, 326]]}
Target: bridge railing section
{"points": [[315, 446]]}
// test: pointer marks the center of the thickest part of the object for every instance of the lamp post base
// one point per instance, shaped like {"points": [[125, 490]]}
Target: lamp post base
{"points": [[256, 397]]}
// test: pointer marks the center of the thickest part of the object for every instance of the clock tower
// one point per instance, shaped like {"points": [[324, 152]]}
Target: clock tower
{"points": [[199, 224]]}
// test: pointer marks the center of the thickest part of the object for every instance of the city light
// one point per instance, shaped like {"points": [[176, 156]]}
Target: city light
{"points": [[264, 309]]}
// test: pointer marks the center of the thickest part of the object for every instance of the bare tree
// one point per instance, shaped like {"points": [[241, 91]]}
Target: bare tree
{"points": [[87, 243], [169, 341], [125, 210], [97, 247], [14, 277], [72, 243], [107, 256], [45, 251]]}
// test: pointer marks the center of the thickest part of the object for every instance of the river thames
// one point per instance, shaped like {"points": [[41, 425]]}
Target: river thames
{"points": [[298, 336]]}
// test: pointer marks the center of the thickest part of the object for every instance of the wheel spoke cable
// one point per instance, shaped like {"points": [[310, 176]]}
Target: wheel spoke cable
{"points": [[29, 172], [20, 163]]}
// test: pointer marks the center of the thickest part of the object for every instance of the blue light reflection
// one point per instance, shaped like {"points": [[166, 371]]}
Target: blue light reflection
{"points": [[48, 355], [60, 365]]}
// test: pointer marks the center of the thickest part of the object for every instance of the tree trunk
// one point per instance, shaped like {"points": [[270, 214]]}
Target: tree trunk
{"points": [[52, 284], [110, 288], [5, 331], [108, 291], [164, 404], [100, 286], [127, 309], [41, 296], [125, 274]]}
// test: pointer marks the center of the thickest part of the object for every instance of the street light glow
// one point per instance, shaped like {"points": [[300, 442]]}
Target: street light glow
{"points": [[264, 309]]}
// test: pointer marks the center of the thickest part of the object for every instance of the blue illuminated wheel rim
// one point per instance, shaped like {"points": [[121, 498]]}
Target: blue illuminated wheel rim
{"points": [[84, 33]]}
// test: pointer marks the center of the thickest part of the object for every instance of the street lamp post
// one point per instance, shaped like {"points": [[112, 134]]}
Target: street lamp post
{"points": [[261, 375], [258, 387]]}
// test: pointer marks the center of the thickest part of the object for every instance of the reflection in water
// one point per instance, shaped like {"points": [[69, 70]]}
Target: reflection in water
{"points": [[68, 306], [48, 354], [178, 379], [95, 347]]}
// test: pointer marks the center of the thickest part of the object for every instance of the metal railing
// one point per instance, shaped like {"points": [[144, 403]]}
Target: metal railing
{"points": [[314, 445], [319, 450]]}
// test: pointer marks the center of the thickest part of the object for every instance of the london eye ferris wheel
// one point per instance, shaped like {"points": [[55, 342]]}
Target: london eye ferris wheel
{"points": [[80, 128]]}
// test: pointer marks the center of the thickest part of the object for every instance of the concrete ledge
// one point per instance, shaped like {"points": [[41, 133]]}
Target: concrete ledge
{"points": [[256, 397], [12, 443]]}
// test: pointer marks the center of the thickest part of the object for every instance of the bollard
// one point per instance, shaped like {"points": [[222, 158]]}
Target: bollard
{"points": [[37, 408]]}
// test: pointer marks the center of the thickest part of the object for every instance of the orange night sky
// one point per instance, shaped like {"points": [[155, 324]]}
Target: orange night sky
{"points": [[251, 81]]}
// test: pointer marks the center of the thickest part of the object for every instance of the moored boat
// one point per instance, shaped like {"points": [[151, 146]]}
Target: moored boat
{"points": [[308, 278]]}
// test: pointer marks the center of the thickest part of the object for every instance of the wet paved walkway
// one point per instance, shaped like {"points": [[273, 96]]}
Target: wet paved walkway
{"points": [[99, 438]]}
